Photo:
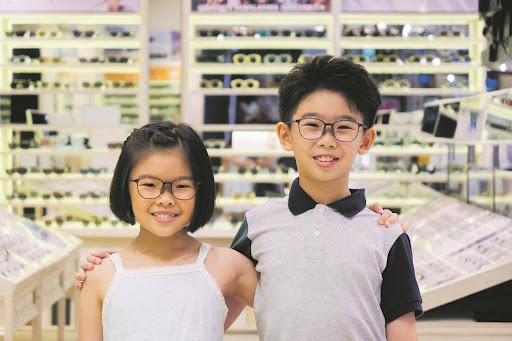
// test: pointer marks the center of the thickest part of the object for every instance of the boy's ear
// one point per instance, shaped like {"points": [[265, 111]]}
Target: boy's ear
{"points": [[368, 140], [283, 133]]}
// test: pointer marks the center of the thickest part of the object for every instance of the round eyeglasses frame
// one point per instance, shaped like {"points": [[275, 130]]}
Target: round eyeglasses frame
{"points": [[359, 125], [163, 186]]}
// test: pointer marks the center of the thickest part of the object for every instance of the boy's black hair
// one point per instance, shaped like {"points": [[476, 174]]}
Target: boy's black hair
{"points": [[326, 72], [161, 136]]}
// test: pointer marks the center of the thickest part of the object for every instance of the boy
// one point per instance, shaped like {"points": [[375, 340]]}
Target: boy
{"points": [[321, 256], [327, 270]]}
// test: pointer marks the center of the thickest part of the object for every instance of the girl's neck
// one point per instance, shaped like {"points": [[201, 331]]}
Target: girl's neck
{"points": [[166, 249]]}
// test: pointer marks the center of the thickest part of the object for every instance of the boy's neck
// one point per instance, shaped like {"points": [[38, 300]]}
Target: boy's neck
{"points": [[325, 192]]}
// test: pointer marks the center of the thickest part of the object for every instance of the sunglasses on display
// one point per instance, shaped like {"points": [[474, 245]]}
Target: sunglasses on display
{"points": [[22, 195], [93, 171], [92, 195], [357, 58], [91, 60], [20, 59], [56, 170], [277, 58], [454, 85], [447, 33], [391, 58], [57, 195], [45, 34], [19, 170], [394, 83], [238, 83], [115, 145], [241, 58], [211, 83], [29, 84], [122, 34], [17, 34], [246, 196], [122, 84], [243, 31], [84, 34], [124, 60]]}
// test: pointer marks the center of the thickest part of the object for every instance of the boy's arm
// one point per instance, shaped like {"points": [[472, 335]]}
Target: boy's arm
{"points": [[242, 243], [90, 319], [402, 329], [400, 294]]}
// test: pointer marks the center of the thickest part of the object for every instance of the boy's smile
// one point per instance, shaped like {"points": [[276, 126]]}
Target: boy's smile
{"points": [[324, 163]]}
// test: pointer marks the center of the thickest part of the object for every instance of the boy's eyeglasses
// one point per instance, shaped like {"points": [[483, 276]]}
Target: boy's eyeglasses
{"points": [[152, 188], [314, 128]]}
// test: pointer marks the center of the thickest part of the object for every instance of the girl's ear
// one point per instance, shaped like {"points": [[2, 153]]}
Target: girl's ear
{"points": [[283, 133], [368, 139]]}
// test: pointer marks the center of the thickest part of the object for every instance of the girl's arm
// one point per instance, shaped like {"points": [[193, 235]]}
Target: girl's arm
{"points": [[235, 308], [241, 290], [402, 329], [91, 302]]}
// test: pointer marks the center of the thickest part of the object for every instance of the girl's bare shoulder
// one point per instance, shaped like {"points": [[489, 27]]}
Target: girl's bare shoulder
{"points": [[101, 276]]}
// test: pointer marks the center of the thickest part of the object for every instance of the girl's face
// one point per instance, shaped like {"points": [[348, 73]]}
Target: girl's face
{"points": [[165, 215]]}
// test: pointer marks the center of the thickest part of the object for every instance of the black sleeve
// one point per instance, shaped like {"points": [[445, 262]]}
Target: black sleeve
{"points": [[399, 291], [242, 243]]}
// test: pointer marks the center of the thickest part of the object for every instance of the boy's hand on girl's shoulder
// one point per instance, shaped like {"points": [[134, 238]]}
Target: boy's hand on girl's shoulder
{"points": [[387, 218], [92, 259]]}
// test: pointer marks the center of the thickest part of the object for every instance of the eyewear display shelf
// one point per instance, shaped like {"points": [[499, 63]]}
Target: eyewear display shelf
{"points": [[37, 268], [73, 60], [77, 66], [417, 54]]}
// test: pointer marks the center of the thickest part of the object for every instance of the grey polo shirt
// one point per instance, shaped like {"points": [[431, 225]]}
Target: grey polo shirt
{"points": [[327, 272]]}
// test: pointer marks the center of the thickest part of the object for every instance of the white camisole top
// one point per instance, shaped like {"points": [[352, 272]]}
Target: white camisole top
{"points": [[167, 303]]}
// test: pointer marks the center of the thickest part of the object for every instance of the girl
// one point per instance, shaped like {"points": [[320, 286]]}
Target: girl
{"points": [[165, 284]]}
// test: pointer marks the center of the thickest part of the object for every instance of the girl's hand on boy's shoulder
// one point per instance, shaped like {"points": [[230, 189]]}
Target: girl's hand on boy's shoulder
{"points": [[94, 258], [387, 218]]}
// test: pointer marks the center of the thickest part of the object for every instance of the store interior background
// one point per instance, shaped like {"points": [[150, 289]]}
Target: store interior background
{"points": [[454, 191]]}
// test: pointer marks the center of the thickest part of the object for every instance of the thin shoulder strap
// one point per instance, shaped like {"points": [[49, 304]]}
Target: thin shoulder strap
{"points": [[118, 264], [203, 252]]}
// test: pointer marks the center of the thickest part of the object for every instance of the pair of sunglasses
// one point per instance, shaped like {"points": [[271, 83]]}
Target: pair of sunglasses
{"points": [[122, 34], [57, 195], [246, 196], [249, 83], [92, 195], [394, 83], [84, 34], [211, 83], [93, 171]]}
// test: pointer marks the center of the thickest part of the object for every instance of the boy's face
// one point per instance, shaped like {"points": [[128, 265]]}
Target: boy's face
{"points": [[325, 160]]}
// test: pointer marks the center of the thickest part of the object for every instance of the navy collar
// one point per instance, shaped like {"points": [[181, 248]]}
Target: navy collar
{"points": [[299, 201]]}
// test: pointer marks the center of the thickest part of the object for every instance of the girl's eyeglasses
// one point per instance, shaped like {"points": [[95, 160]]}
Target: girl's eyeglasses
{"points": [[152, 188]]}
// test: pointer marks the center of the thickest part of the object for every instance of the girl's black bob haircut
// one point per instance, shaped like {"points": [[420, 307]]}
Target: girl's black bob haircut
{"points": [[161, 136]]}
